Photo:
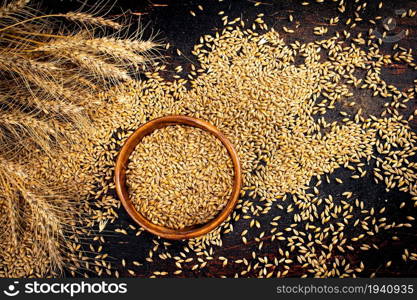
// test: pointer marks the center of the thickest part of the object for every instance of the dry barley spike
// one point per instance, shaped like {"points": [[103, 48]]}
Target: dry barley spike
{"points": [[50, 72]]}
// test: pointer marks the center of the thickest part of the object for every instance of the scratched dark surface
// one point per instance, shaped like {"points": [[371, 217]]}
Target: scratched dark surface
{"points": [[173, 23]]}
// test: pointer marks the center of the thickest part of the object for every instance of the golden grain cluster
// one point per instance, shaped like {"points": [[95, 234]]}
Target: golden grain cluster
{"points": [[180, 176]]}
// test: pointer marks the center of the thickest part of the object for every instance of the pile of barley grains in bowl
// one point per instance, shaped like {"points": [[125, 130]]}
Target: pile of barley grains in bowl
{"points": [[180, 176]]}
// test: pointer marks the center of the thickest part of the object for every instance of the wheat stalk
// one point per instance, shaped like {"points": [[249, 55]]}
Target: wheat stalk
{"points": [[51, 76], [121, 51], [12, 7], [96, 65], [37, 209], [90, 19]]}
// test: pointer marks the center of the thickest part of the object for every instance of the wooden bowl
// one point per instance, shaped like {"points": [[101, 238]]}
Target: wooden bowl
{"points": [[121, 188]]}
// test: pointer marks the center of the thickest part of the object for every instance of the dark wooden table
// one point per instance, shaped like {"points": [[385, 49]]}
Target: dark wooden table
{"points": [[174, 24]]}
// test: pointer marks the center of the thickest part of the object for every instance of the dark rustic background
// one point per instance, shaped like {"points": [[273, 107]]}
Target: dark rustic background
{"points": [[173, 24]]}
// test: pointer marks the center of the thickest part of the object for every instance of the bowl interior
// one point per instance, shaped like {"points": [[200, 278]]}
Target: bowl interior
{"points": [[122, 191]]}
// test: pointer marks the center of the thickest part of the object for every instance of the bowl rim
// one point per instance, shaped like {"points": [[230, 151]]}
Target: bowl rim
{"points": [[121, 187]]}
